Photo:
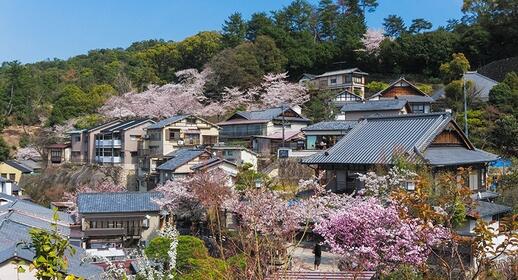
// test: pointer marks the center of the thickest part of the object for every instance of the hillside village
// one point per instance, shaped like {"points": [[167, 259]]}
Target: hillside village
{"points": [[214, 171]]}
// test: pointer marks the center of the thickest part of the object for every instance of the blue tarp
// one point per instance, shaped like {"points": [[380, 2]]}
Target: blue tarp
{"points": [[500, 163]]}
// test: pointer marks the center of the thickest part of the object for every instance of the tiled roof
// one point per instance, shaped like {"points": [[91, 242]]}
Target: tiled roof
{"points": [[118, 202], [165, 122], [376, 140], [211, 162], [331, 125], [374, 105], [416, 99], [179, 158], [20, 166], [125, 125], [487, 209], [456, 155], [265, 114], [340, 72]]}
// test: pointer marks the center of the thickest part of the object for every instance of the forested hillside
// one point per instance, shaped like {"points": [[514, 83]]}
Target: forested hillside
{"points": [[299, 38]]}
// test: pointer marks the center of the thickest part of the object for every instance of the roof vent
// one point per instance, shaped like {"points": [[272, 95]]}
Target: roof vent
{"points": [[326, 153]]}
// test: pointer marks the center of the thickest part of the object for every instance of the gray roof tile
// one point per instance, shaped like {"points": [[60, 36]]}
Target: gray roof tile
{"points": [[20, 166], [374, 105], [487, 209], [179, 158], [331, 125], [118, 202], [456, 155], [376, 140], [165, 122]]}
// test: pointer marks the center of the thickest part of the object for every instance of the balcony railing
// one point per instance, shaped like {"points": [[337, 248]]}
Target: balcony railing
{"points": [[108, 159], [104, 232], [108, 143]]}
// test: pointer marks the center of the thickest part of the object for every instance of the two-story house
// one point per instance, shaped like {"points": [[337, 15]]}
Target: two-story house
{"points": [[165, 137], [242, 126], [82, 142], [125, 219], [402, 89], [117, 144], [352, 80], [353, 111]]}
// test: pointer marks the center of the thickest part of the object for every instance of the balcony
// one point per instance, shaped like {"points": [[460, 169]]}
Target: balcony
{"points": [[108, 143], [104, 232], [108, 159]]}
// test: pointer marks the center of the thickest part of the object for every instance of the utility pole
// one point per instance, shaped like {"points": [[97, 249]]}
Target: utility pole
{"points": [[283, 120], [465, 105]]}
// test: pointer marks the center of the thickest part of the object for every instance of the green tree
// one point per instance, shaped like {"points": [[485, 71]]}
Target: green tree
{"points": [[51, 250], [320, 106], [455, 68], [72, 102], [158, 248], [327, 18], [394, 26], [197, 50], [259, 24], [418, 25], [504, 135], [504, 95], [234, 30]]}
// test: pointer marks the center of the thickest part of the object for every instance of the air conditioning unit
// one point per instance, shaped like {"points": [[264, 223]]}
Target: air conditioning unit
{"points": [[283, 153]]}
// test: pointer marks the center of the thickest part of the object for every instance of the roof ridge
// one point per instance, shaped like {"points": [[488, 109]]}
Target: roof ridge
{"points": [[413, 115]]}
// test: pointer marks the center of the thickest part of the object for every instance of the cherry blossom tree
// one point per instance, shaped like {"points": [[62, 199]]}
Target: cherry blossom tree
{"points": [[29, 152], [372, 40], [373, 236], [188, 97]]}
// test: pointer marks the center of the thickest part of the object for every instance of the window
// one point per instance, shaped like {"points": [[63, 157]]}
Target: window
{"points": [[357, 80], [191, 121], [77, 138], [474, 181], [134, 137], [209, 140], [192, 139], [145, 223], [4, 175], [333, 81], [12, 176], [228, 153], [154, 136], [418, 108], [174, 134]]}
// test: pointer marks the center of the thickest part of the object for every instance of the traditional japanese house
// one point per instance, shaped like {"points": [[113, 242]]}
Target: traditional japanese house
{"points": [[353, 111], [121, 219], [242, 126], [324, 135], [402, 89]]}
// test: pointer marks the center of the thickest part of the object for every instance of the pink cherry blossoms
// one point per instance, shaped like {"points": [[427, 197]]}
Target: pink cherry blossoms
{"points": [[372, 40], [188, 97], [373, 236]]}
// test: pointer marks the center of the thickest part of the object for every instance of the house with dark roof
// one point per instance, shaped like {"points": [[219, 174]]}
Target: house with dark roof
{"points": [[167, 136], [119, 219], [324, 135], [17, 218], [352, 80], [433, 139], [266, 145], [353, 111], [184, 162], [241, 126], [13, 170], [419, 101]]}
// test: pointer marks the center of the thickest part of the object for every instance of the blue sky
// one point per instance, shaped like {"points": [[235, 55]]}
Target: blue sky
{"points": [[33, 30]]}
